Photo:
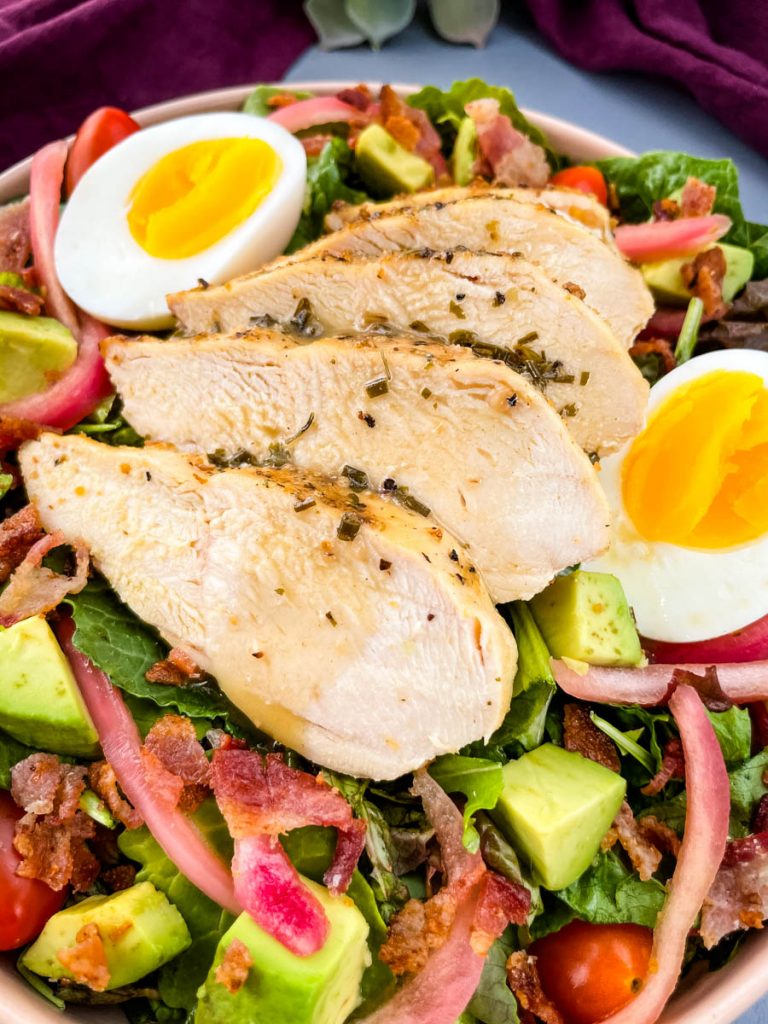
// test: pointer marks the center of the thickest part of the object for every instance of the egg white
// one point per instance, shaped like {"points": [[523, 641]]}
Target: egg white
{"points": [[682, 594], [105, 270]]}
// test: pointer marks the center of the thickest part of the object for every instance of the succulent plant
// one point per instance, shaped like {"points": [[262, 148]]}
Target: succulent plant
{"points": [[341, 23]]}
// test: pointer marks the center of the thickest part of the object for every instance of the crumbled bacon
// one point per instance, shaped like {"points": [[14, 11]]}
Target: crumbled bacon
{"points": [[660, 834], [666, 209], [416, 931], [500, 903], [20, 300], [120, 877], [523, 979], [235, 966], [87, 959], [315, 144], [36, 590], [178, 669], [703, 277], [738, 898], [103, 782], [706, 684], [644, 855], [280, 100], [42, 785], [581, 736], [672, 767], [264, 796], [697, 198], [18, 533], [656, 346], [15, 240], [422, 138], [174, 741], [510, 156], [359, 96]]}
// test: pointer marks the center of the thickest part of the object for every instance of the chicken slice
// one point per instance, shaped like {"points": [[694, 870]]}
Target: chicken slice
{"points": [[370, 655], [469, 438], [492, 298], [567, 253], [571, 203]]}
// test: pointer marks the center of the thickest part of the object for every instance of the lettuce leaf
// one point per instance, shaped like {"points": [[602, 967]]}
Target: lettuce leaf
{"points": [[640, 181], [478, 779], [328, 177], [11, 752], [493, 1002], [446, 110]]}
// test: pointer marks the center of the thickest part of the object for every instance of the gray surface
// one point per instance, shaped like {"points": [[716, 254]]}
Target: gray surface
{"points": [[628, 108]]}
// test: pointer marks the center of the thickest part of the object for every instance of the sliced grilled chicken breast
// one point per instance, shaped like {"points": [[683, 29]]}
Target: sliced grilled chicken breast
{"points": [[495, 299], [467, 437], [578, 206], [370, 655], [568, 253]]}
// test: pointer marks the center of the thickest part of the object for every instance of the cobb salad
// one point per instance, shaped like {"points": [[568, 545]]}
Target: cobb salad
{"points": [[383, 638]]}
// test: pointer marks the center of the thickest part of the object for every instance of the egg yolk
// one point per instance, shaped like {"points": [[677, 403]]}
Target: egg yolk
{"points": [[194, 196], [697, 475]]}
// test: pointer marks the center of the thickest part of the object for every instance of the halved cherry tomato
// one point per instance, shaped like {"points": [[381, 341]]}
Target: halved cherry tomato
{"points": [[583, 178], [747, 644], [591, 970], [25, 903], [100, 131]]}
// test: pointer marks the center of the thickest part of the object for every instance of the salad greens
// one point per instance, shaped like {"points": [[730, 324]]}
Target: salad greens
{"points": [[478, 779]]}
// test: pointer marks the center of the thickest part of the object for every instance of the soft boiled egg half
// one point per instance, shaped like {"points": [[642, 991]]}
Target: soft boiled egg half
{"points": [[203, 197], [689, 498]]}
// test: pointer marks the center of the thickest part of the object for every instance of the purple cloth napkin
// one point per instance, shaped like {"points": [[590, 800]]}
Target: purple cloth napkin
{"points": [[60, 59], [718, 50]]}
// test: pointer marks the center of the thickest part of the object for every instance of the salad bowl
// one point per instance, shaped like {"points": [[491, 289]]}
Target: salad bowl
{"points": [[715, 998]]}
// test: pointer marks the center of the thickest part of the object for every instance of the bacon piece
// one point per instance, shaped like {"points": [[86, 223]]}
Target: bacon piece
{"points": [[672, 767], [697, 198], [235, 966], [500, 903], [177, 669], [87, 959], [581, 736], [14, 430], [418, 930], [280, 100], [422, 138], [703, 277], [36, 590], [103, 782], [18, 533], [20, 300], [120, 877], [658, 346], [42, 785], [359, 96], [264, 796], [512, 157], [644, 855], [15, 240], [666, 209], [172, 741], [315, 144], [738, 898], [660, 834], [523, 979]]}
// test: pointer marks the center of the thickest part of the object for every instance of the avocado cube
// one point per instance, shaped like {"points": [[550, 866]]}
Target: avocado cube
{"points": [[555, 807], [40, 703], [585, 616], [139, 928], [387, 167], [32, 348], [464, 152], [282, 988], [666, 282]]}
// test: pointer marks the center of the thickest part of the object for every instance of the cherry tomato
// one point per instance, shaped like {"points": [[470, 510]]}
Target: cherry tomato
{"points": [[747, 644], [585, 179], [25, 903], [591, 970], [100, 131]]}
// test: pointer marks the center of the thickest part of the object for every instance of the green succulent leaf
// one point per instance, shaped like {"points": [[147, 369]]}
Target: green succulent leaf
{"points": [[465, 21], [332, 24], [379, 20]]}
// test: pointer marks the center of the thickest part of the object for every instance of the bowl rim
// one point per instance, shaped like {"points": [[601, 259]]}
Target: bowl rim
{"points": [[715, 998]]}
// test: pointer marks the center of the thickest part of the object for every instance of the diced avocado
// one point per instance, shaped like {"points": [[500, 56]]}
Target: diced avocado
{"points": [[585, 616], [32, 348], [282, 988], [666, 282], [40, 703], [387, 167], [555, 807], [464, 152], [139, 928]]}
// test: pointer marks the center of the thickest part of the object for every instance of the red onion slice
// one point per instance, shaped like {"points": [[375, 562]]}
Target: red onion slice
{"points": [[121, 743], [706, 832], [665, 239], [741, 683], [296, 117]]}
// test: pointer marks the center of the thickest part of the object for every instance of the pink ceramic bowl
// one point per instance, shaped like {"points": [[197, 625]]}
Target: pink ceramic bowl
{"points": [[717, 998]]}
